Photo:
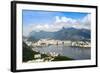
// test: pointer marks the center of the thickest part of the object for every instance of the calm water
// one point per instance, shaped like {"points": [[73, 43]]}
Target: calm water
{"points": [[72, 52]]}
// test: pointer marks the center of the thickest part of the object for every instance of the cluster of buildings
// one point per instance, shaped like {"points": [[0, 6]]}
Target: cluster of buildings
{"points": [[47, 42], [84, 44]]}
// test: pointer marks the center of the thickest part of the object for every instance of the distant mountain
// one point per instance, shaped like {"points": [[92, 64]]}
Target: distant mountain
{"points": [[63, 34], [73, 34], [40, 35]]}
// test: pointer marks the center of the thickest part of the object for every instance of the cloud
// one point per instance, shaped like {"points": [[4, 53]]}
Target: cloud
{"points": [[57, 19], [64, 19], [86, 22], [69, 22], [58, 24]]}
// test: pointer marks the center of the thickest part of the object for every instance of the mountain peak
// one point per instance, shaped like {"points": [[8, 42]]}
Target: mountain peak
{"points": [[63, 34]]}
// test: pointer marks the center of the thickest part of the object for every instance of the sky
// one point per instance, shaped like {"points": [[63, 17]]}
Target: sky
{"points": [[53, 21]]}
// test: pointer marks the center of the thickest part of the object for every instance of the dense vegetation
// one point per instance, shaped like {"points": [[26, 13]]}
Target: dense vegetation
{"points": [[28, 53], [61, 58]]}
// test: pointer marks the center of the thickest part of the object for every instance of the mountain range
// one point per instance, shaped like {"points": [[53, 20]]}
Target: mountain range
{"points": [[63, 34]]}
